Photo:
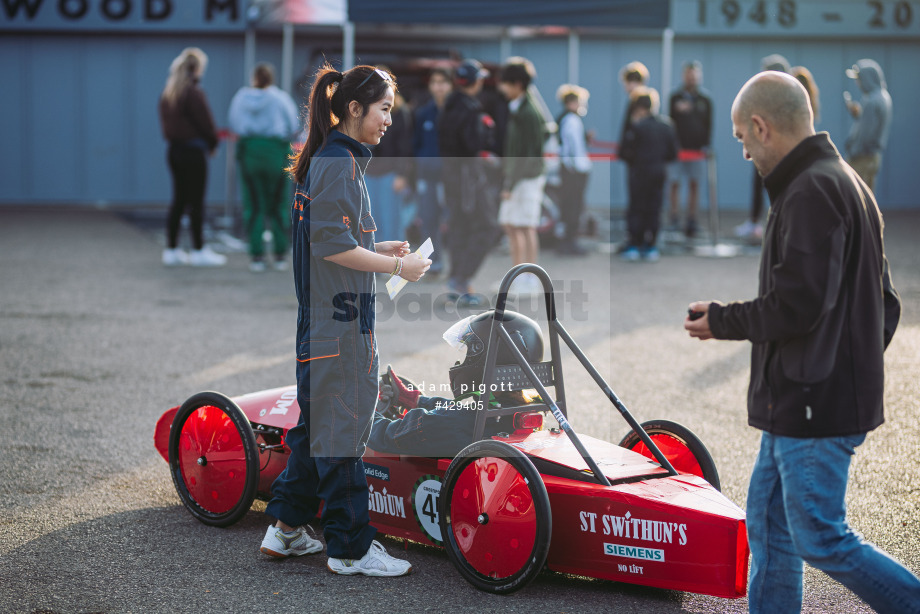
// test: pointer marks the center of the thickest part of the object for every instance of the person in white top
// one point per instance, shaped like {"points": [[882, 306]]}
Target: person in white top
{"points": [[265, 119], [574, 165]]}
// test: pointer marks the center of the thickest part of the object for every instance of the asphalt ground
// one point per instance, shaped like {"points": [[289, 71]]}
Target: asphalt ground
{"points": [[97, 340]]}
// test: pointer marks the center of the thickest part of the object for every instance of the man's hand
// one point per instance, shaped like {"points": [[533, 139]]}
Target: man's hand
{"points": [[395, 396], [855, 109], [699, 328]]}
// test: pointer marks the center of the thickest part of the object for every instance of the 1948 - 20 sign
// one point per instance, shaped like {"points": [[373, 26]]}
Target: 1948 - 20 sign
{"points": [[797, 17]]}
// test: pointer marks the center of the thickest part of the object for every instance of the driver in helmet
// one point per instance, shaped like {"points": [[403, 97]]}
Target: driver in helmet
{"points": [[441, 427]]}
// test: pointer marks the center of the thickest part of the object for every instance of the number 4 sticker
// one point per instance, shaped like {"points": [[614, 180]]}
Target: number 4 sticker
{"points": [[425, 506]]}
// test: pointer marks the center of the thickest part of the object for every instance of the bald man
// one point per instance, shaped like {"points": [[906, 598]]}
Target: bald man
{"points": [[825, 312]]}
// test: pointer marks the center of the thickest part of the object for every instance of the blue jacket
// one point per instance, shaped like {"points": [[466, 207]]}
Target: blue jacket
{"points": [[869, 133], [425, 139]]}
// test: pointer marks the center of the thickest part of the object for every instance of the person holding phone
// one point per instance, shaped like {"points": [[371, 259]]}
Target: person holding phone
{"points": [[872, 120]]}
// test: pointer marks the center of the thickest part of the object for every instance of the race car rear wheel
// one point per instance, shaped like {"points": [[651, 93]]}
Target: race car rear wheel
{"points": [[684, 450], [495, 517], [213, 459]]}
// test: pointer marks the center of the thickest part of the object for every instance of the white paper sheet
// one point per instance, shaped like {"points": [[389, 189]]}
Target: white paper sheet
{"points": [[395, 284]]}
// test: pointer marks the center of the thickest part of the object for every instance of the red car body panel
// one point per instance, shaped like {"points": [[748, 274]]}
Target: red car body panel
{"points": [[648, 528]]}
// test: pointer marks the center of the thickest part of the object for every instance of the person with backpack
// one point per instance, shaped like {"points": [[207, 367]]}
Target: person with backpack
{"points": [[466, 135], [650, 143], [574, 165]]}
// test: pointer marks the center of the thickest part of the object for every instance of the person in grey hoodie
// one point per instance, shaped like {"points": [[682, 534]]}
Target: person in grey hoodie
{"points": [[264, 118], [869, 133]]}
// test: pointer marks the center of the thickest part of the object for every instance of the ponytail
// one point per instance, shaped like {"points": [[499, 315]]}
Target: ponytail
{"points": [[321, 118], [330, 96], [183, 73]]}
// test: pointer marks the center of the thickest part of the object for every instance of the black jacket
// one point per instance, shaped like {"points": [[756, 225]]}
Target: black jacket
{"points": [[649, 145], [463, 130], [189, 119], [693, 126], [826, 309]]}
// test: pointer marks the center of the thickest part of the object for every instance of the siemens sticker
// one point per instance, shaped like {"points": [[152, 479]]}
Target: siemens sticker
{"points": [[634, 552]]}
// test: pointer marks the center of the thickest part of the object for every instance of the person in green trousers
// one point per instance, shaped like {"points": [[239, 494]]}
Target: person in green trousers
{"points": [[265, 119]]}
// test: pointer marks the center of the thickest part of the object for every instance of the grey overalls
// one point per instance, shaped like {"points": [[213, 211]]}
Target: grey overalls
{"points": [[336, 353]]}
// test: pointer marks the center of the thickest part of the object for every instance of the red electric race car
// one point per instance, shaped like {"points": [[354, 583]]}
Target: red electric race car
{"points": [[647, 511]]}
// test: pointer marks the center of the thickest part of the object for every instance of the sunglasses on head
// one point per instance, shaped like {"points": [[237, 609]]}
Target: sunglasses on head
{"points": [[377, 71]]}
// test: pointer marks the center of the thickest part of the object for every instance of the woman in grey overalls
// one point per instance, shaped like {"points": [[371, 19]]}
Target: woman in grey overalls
{"points": [[335, 258]]}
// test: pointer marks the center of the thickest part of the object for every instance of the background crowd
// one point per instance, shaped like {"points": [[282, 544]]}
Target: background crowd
{"points": [[477, 160]]}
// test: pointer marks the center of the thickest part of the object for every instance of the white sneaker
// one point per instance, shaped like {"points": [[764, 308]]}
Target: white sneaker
{"points": [[257, 266], [206, 257], [295, 543], [375, 563], [606, 247], [748, 230], [280, 265], [527, 284], [531, 285], [536, 286], [174, 257]]}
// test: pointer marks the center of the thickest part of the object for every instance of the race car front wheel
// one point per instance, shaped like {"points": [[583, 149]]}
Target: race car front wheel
{"points": [[495, 517], [684, 450], [213, 459]]}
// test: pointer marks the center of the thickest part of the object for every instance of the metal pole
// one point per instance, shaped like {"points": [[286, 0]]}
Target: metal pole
{"points": [[667, 61], [249, 54], [504, 49], [287, 56], [348, 45], [554, 408], [715, 249], [713, 196], [574, 51], [633, 423], [230, 185]]}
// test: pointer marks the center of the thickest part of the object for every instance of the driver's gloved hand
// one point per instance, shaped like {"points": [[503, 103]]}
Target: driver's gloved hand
{"points": [[394, 396]]}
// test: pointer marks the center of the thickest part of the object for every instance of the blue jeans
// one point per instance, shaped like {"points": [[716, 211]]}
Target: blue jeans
{"points": [[796, 512], [438, 427], [430, 208]]}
